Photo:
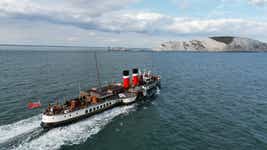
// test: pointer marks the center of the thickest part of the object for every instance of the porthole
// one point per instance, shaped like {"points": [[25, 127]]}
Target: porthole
{"points": [[90, 110], [86, 111]]}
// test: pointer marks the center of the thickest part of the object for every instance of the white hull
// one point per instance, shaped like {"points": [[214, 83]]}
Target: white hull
{"points": [[56, 120]]}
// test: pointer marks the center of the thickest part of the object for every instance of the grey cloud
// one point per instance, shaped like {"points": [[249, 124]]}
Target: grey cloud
{"points": [[85, 15], [258, 2]]}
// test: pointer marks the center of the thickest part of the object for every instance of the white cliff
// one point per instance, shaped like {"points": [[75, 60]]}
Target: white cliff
{"points": [[214, 44]]}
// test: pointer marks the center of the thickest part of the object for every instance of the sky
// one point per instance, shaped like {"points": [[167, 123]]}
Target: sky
{"points": [[128, 23]]}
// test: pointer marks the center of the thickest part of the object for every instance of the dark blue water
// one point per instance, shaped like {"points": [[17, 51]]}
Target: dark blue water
{"points": [[207, 101]]}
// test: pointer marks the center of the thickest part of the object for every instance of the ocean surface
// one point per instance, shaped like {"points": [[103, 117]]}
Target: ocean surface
{"points": [[208, 101]]}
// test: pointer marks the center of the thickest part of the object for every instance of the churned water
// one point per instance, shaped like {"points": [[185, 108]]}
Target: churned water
{"points": [[207, 101]]}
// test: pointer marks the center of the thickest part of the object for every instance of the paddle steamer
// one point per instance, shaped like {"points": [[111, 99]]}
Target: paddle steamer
{"points": [[99, 99]]}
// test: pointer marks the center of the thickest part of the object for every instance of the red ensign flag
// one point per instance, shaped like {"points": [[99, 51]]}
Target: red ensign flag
{"points": [[33, 105]]}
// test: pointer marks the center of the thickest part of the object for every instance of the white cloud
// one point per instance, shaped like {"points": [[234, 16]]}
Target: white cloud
{"points": [[109, 16], [181, 4], [216, 26], [257, 2]]}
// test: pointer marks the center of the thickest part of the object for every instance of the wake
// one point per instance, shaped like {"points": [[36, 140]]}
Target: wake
{"points": [[10, 131], [73, 134]]}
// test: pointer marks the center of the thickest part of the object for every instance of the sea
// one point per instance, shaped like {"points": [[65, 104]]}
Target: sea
{"points": [[208, 101]]}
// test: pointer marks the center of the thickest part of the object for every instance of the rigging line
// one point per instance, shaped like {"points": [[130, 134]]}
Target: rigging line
{"points": [[97, 71], [152, 65], [47, 65], [6, 63], [79, 90]]}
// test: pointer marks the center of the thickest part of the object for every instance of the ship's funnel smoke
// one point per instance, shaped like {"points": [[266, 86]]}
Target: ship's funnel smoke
{"points": [[135, 77], [126, 79]]}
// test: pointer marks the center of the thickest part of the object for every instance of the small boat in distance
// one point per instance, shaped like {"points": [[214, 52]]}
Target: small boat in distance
{"points": [[99, 99]]}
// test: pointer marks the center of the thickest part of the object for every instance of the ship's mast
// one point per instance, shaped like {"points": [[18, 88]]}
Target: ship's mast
{"points": [[79, 90], [97, 71]]}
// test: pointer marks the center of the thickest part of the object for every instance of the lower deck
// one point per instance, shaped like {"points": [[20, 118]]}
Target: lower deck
{"points": [[61, 119]]}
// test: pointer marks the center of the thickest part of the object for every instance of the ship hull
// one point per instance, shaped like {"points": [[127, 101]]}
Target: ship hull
{"points": [[70, 121], [61, 122]]}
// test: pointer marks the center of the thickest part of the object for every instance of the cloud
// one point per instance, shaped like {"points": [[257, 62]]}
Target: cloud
{"points": [[182, 4], [102, 5], [216, 26], [257, 2], [112, 17]]}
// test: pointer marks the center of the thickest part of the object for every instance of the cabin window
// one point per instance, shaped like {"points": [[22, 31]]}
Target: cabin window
{"points": [[94, 108], [86, 111], [90, 110], [65, 116], [70, 115], [76, 113], [97, 107], [101, 106]]}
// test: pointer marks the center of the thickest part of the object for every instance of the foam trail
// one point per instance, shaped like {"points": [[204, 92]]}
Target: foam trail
{"points": [[74, 133], [10, 131]]}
